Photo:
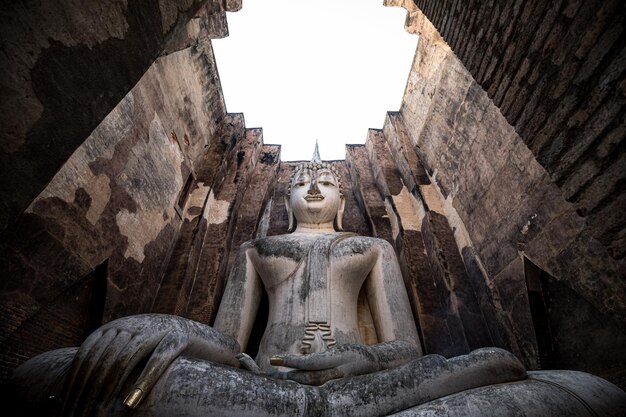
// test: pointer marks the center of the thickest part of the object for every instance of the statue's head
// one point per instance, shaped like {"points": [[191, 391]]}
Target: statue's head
{"points": [[314, 195]]}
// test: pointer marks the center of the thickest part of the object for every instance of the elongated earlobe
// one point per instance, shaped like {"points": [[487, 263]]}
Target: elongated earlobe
{"points": [[291, 227], [339, 218]]}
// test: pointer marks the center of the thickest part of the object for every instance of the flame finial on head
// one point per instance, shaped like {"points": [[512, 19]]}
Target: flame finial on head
{"points": [[316, 154]]}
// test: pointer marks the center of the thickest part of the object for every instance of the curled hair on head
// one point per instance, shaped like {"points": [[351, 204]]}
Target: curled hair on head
{"points": [[314, 167]]}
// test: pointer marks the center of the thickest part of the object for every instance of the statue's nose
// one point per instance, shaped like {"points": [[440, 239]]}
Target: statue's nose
{"points": [[313, 190]]}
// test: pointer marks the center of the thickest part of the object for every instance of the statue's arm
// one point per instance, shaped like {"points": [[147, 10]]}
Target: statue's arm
{"points": [[107, 357], [240, 302], [388, 299]]}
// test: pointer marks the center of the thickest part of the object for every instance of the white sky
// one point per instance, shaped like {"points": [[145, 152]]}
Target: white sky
{"points": [[306, 70]]}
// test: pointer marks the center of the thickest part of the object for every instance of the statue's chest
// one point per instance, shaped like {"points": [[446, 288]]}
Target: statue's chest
{"points": [[311, 264], [306, 282]]}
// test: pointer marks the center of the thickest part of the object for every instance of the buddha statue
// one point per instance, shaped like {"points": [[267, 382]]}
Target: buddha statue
{"points": [[312, 359]]}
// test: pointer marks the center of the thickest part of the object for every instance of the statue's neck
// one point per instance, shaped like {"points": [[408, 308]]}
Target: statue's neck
{"points": [[314, 228]]}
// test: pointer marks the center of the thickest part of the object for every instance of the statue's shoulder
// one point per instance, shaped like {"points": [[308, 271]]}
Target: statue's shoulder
{"points": [[278, 245], [360, 244], [270, 240], [375, 241]]}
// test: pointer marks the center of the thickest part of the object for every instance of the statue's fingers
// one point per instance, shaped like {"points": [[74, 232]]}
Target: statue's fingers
{"points": [[133, 353], [311, 362], [313, 377], [248, 363], [88, 361], [101, 371], [166, 351], [80, 356]]}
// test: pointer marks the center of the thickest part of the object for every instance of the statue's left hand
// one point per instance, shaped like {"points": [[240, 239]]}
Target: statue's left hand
{"points": [[107, 357], [338, 362]]}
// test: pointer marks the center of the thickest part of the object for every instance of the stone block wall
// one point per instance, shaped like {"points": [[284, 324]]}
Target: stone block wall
{"points": [[506, 205], [556, 72], [123, 197], [444, 304], [65, 66], [231, 216]]}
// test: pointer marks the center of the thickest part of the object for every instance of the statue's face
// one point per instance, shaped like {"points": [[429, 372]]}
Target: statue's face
{"points": [[315, 196]]}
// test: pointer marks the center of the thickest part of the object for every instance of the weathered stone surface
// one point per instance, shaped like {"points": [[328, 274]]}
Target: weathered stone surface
{"points": [[117, 197], [65, 67], [278, 220], [492, 314], [603, 335], [403, 152], [444, 324], [507, 203], [440, 387], [386, 174], [367, 194], [542, 394], [68, 319], [354, 219], [431, 305], [555, 70], [176, 285], [511, 287], [220, 213]]}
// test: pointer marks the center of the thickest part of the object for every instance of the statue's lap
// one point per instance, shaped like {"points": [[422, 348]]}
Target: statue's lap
{"points": [[466, 385]]}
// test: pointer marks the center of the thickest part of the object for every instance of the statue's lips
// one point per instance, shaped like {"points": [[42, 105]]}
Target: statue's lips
{"points": [[309, 197]]}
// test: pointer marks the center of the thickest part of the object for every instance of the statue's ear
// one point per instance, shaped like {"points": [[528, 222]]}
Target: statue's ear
{"points": [[289, 214], [339, 218]]}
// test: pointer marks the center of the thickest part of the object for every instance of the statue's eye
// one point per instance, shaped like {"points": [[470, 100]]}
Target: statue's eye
{"points": [[327, 183], [300, 184]]}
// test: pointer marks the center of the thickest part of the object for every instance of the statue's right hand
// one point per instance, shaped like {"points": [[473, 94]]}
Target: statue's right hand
{"points": [[107, 357]]}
